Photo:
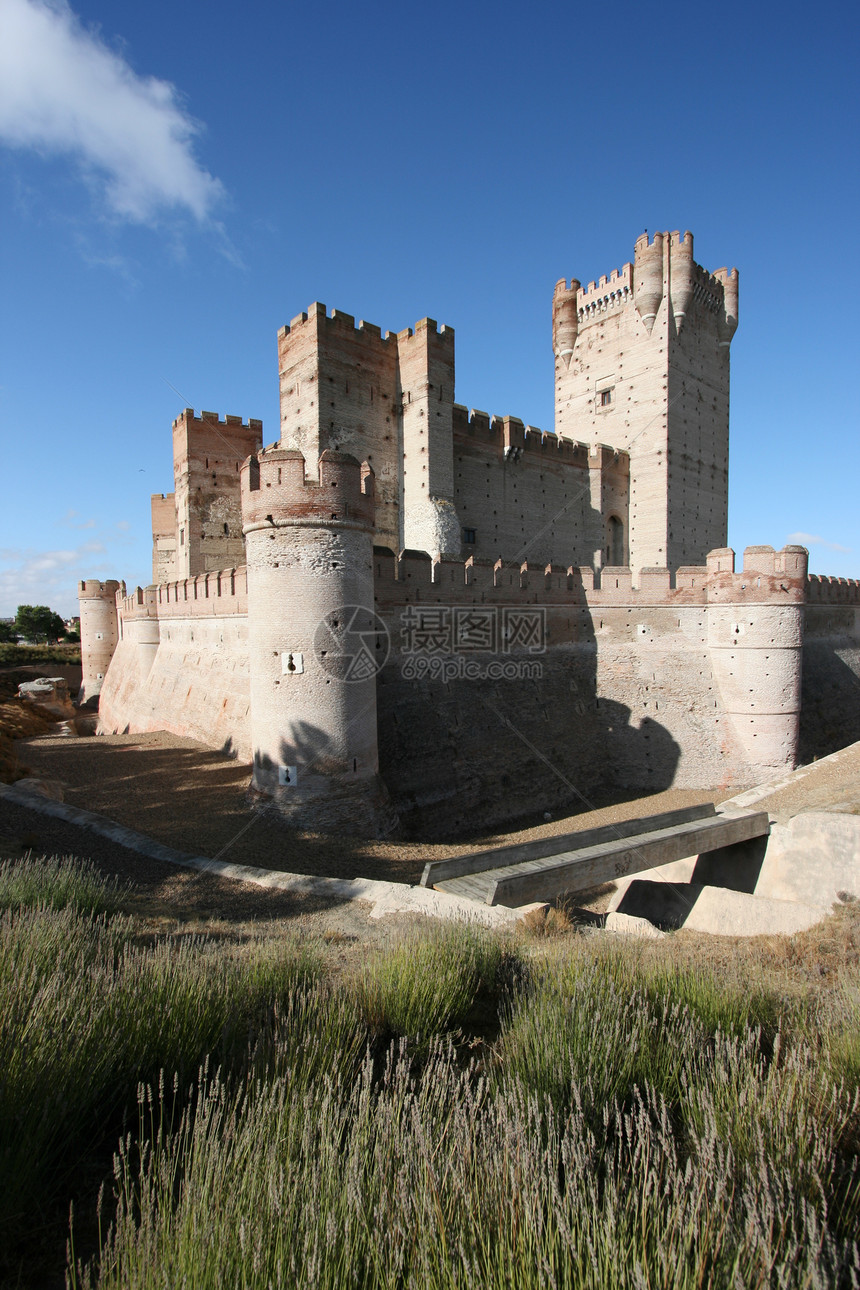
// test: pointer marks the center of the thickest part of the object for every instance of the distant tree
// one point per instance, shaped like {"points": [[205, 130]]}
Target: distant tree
{"points": [[38, 623], [7, 632]]}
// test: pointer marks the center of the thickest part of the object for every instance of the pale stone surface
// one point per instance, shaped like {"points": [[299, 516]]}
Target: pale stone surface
{"points": [[717, 910], [679, 871], [48, 694], [815, 858], [630, 925]]}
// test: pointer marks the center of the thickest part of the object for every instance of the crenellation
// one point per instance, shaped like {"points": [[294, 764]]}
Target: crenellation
{"points": [[614, 289]]}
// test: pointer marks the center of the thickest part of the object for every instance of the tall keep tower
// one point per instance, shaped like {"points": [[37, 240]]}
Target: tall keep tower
{"points": [[386, 399], [642, 362]]}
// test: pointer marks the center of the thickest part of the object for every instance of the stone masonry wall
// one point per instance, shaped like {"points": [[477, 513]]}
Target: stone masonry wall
{"points": [[532, 495], [642, 363], [635, 690], [182, 663], [340, 389], [830, 717], [207, 454], [674, 682]]}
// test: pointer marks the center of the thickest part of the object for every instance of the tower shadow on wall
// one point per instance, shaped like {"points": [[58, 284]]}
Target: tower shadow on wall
{"points": [[462, 755]]}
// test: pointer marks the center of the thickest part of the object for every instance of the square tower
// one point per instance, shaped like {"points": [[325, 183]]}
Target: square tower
{"points": [[642, 363], [207, 456]]}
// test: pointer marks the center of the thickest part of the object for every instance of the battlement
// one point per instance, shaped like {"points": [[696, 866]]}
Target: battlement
{"points": [[768, 578], [276, 491], [607, 292], [92, 589], [207, 595], [644, 243], [832, 591], [511, 435], [140, 603], [338, 320], [188, 415]]}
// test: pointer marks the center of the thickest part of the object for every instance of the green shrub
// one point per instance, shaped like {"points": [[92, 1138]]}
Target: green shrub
{"points": [[85, 1015], [428, 981], [431, 1182], [58, 882]]}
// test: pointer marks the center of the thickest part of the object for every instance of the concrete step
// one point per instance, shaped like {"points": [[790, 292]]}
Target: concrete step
{"points": [[587, 866]]}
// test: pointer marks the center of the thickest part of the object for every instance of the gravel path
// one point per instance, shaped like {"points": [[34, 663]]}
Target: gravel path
{"points": [[831, 784]]}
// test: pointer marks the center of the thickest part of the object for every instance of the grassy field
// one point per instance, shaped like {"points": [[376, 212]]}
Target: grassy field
{"points": [[450, 1109], [25, 655]]}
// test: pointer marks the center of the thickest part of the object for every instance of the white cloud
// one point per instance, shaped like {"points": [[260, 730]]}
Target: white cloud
{"points": [[810, 539], [62, 90], [32, 577]]}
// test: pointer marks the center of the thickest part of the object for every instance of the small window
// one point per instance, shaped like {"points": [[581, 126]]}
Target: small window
{"points": [[182, 537], [605, 398], [468, 537]]}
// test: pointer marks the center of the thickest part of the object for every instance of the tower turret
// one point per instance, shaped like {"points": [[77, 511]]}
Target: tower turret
{"points": [[648, 278], [315, 643], [650, 376], [565, 319], [99, 633], [681, 274], [727, 319]]}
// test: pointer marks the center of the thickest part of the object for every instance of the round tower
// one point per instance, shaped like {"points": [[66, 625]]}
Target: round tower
{"points": [[681, 270], [565, 319], [755, 641], [315, 643], [648, 278], [727, 319], [99, 634]]}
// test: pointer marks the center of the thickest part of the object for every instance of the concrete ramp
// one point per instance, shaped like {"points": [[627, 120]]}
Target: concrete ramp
{"points": [[575, 862]]}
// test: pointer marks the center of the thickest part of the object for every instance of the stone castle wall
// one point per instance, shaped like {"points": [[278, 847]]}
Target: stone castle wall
{"points": [[642, 363], [535, 496], [830, 717], [181, 663], [641, 687]]}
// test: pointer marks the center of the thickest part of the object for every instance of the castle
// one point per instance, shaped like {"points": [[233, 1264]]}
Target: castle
{"points": [[403, 608]]}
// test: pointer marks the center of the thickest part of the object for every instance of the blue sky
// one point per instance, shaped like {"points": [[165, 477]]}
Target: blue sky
{"points": [[179, 180]]}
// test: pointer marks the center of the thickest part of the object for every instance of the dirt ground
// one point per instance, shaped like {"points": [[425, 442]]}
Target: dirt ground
{"points": [[195, 800], [191, 798]]}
